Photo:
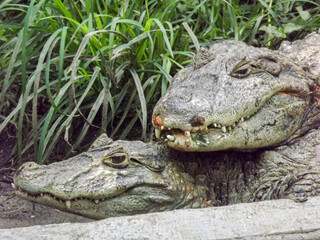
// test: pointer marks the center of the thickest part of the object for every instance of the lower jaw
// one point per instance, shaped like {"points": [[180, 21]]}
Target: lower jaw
{"points": [[197, 142]]}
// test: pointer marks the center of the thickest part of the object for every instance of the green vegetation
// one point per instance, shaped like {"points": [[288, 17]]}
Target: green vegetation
{"points": [[69, 69]]}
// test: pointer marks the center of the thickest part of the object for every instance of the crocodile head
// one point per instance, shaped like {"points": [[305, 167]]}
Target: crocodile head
{"points": [[234, 97], [111, 179]]}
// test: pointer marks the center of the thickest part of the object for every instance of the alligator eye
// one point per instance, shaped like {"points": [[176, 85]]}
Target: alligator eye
{"points": [[116, 161], [270, 65], [241, 71]]}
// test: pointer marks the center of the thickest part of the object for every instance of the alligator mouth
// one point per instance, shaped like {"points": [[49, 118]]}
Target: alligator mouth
{"points": [[199, 126], [170, 134], [40, 197]]}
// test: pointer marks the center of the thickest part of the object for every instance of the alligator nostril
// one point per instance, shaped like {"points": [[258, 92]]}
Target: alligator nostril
{"points": [[157, 121], [29, 166], [197, 121]]}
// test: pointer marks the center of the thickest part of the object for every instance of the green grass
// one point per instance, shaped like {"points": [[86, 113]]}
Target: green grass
{"points": [[69, 69]]}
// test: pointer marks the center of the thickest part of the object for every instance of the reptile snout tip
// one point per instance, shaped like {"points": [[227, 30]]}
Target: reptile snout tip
{"points": [[157, 121]]}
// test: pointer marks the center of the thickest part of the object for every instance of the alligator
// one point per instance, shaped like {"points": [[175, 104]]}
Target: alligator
{"points": [[238, 97], [239, 125]]}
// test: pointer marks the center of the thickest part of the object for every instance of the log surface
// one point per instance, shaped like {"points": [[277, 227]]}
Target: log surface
{"points": [[277, 219]]}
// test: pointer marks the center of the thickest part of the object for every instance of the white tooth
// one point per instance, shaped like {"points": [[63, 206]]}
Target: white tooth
{"points": [[162, 127], [187, 133], [230, 128], [234, 125], [219, 126], [215, 125], [169, 129], [242, 119], [96, 201], [219, 137], [68, 204], [157, 132], [224, 129], [171, 138], [41, 194], [13, 186]]}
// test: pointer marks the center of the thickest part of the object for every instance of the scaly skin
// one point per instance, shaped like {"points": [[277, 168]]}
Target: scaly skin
{"points": [[131, 177], [239, 97], [111, 179]]}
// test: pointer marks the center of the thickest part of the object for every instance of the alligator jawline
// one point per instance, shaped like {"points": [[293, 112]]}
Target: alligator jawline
{"points": [[41, 196], [169, 133]]}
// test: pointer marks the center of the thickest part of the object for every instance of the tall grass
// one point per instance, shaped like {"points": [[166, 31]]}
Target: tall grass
{"points": [[73, 68]]}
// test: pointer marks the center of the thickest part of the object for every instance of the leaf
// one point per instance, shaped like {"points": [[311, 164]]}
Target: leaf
{"points": [[143, 103], [272, 31], [192, 35], [305, 15]]}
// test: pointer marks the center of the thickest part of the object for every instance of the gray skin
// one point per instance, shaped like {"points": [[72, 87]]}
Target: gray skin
{"points": [[111, 179], [280, 142], [238, 97], [116, 178]]}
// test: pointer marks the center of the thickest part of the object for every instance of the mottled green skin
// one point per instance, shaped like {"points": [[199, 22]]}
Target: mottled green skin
{"points": [[264, 96], [110, 179], [153, 178], [132, 177]]}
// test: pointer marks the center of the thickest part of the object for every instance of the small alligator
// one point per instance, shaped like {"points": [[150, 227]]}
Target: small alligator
{"points": [[263, 103]]}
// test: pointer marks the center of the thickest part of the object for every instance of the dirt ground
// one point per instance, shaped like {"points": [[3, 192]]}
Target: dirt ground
{"points": [[16, 212]]}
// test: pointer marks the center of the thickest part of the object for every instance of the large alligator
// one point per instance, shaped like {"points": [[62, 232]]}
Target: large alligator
{"points": [[261, 102]]}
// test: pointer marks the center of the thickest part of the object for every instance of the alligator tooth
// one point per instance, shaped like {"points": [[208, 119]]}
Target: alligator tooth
{"points": [[157, 132], [96, 201], [187, 133], [41, 194], [215, 125], [60, 201], [170, 138], [68, 204], [195, 129], [203, 128], [162, 127], [230, 128], [234, 125], [224, 129], [169, 129], [13, 186], [242, 119], [219, 126], [219, 137]]}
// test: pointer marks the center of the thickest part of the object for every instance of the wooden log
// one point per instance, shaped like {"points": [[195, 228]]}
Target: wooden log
{"points": [[277, 219]]}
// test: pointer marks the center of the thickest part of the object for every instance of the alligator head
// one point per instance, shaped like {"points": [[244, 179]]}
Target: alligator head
{"points": [[111, 179], [234, 97]]}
